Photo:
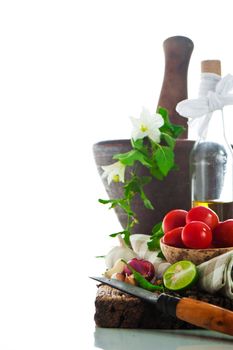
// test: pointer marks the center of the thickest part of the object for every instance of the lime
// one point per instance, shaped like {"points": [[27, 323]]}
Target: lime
{"points": [[181, 275]]}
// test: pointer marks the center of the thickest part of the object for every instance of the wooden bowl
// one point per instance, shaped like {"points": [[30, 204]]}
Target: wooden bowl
{"points": [[197, 256]]}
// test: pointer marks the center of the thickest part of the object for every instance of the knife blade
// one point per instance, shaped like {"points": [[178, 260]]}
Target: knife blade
{"points": [[196, 312]]}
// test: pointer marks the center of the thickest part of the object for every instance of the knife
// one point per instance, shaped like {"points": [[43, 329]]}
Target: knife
{"points": [[193, 311]]}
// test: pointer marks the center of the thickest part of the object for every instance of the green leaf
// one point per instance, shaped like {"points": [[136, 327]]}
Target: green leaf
{"points": [[113, 202], [160, 255], [106, 201], [126, 207], [157, 233], [144, 180], [116, 234], [124, 233], [146, 200], [164, 113], [147, 203], [137, 144], [157, 227], [169, 140], [165, 159], [156, 173], [130, 157], [122, 203], [177, 130], [131, 188], [135, 185], [173, 130], [153, 244], [127, 237]]}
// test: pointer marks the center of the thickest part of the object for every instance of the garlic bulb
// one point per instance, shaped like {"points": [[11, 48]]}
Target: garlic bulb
{"points": [[119, 252], [139, 246], [161, 268]]}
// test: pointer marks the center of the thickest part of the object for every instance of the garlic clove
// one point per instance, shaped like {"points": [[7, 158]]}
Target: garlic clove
{"points": [[130, 280], [118, 276], [117, 268]]}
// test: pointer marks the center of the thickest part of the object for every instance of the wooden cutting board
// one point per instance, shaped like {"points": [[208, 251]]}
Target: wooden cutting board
{"points": [[115, 309]]}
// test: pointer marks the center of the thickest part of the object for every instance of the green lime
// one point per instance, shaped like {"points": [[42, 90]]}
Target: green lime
{"points": [[181, 275]]}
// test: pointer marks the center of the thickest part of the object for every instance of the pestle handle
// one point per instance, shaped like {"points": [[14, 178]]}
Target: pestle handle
{"points": [[177, 50]]}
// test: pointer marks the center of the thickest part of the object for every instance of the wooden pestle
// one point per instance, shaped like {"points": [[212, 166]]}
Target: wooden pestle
{"points": [[177, 50]]}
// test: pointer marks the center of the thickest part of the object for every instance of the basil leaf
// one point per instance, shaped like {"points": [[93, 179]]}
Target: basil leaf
{"points": [[165, 159], [169, 140], [130, 157], [157, 233]]}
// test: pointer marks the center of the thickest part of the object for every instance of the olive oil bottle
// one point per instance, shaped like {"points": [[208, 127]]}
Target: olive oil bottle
{"points": [[211, 162]]}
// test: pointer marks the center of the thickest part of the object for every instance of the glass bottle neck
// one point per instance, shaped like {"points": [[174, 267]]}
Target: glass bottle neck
{"points": [[211, 163], [215, 130]]}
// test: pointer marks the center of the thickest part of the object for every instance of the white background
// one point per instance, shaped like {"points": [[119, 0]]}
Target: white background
{"points": [[71, 73]]}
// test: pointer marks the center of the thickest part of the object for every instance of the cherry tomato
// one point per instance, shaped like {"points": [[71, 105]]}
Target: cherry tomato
{"points": [[204, 214], [196, 235], [173, 238], [174, 218], [223, 234]]}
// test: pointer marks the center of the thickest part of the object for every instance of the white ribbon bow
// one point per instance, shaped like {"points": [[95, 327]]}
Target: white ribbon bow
{"points": [[214, 100]]}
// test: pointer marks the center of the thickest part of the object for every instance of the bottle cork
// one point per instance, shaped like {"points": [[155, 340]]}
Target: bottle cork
{"points": [[211, 66]]}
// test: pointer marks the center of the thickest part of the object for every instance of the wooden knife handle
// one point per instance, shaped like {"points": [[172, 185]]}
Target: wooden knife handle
{"points": [[205, 315]]}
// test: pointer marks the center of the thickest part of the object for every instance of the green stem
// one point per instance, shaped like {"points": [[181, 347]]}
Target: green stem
{"points": [[142, 282]]}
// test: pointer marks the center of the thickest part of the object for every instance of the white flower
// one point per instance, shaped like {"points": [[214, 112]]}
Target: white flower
{"points": [[147, 125], [114, 172]]}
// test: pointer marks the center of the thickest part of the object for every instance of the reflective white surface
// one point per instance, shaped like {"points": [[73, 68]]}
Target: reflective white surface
{"points": [[115, 339]]}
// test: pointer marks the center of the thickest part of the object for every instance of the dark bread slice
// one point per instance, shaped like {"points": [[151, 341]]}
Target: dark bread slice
{"points": [[115, 309]]}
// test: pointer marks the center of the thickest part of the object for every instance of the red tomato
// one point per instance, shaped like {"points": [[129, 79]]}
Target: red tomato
{"points": [[196, 235], [174, 218], [173, 238], [204, 214], [223, 234]]}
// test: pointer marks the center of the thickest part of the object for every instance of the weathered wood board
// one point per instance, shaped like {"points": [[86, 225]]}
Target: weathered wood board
{"points": [[115, 309]]}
